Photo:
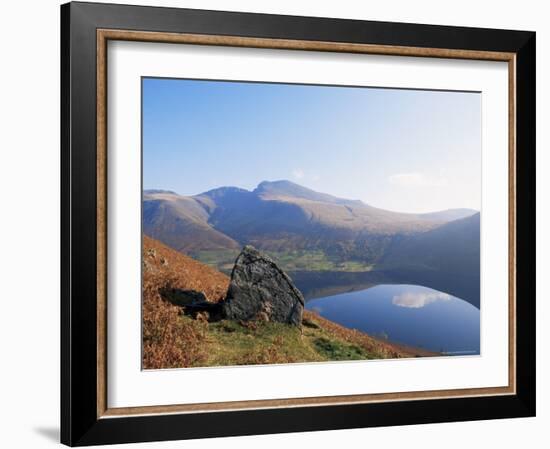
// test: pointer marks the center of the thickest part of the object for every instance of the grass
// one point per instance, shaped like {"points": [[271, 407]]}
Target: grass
{"points": [[353, 266], [294, 260], [302, 260], [222, 259], [168, 340], [231, 343], [174, 340], [336, 350]]}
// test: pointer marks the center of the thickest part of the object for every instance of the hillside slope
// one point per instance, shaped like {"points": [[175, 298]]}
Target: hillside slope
{"points": [[182, 223], [449, 247], [174, 340], [447, 257]]}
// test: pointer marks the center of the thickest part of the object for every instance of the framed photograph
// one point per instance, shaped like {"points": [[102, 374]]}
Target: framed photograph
{"points": [[282, 224]]}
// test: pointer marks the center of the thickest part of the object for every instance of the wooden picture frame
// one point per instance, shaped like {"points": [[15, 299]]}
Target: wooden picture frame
{"points": [[85, 417]]}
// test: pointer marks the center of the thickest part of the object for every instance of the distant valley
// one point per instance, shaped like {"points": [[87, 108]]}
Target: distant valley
{"points": [[305, 230]]}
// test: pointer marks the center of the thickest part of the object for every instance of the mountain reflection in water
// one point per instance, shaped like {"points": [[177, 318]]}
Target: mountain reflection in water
{"points": [[390, 306], [318, 284]]}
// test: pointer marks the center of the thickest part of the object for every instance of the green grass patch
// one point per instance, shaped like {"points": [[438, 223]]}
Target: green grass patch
{"points": [[337, 350], [222, 260], [315, 261], [233, 343], [237, 343], [293, 260]]}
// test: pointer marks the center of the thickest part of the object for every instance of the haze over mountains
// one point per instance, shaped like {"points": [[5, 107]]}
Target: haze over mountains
{"points": [[310, 230]]}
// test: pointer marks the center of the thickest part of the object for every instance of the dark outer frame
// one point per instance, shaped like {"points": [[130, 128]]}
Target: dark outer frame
{"points": [[81, 424]]}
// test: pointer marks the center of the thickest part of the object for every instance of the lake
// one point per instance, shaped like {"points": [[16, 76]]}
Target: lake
{"points": [[412, 315]]}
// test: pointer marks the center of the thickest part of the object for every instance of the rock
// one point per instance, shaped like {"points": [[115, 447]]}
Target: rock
{"points": [[260, 290]]}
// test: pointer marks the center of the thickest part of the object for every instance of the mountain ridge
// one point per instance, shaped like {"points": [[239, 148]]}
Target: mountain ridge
{"points": [[285, 219], [268, 186]]}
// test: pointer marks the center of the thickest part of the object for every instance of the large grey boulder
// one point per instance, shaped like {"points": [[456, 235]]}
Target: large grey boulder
{"points": [[260, 290]]}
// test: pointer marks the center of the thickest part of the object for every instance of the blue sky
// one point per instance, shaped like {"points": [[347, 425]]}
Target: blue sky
{"points": [[404, 150]]}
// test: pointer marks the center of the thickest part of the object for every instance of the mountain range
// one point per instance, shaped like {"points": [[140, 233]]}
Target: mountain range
{"points": [[309, 230]]}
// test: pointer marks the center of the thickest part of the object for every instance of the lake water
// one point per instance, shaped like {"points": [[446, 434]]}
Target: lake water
{"points": [[409, 314]]}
